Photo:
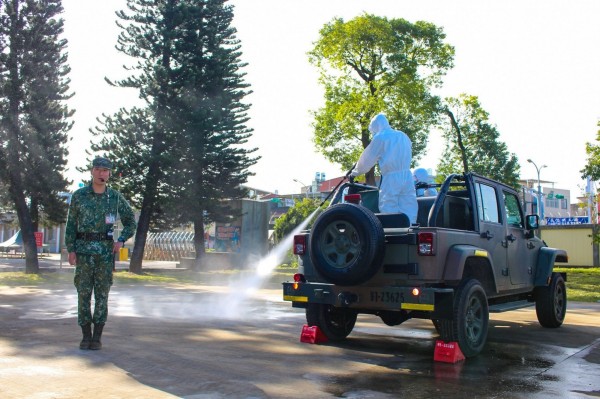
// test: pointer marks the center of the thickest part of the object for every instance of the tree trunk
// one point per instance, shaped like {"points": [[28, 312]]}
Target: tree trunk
{"points": [[150, 195], [463, 151], [31, 259], [139, 245], [370, 177], [199, 242]]}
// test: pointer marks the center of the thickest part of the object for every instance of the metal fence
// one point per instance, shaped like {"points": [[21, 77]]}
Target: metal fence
{"points": [[169, 246]]}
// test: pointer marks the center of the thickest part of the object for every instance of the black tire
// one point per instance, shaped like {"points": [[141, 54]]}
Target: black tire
{"points": [[335, 323], [438, 325], [551, 302], [347, 244], [469, 324], [391, 318]]}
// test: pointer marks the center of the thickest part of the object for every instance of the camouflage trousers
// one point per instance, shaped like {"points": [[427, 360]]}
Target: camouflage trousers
{"points": [[93, 273]]}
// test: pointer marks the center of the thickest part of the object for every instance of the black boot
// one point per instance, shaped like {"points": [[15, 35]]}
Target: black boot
{"points": [[87, 336], [96, 344]]}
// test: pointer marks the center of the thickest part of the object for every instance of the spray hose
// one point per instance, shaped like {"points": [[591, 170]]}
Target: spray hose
{"points": [[347, 176]]}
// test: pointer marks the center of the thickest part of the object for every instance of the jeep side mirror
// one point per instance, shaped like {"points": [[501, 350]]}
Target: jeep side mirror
{"points": [[532, 222]]}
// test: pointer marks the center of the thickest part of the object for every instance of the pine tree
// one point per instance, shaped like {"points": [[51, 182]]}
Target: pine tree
{"points": [[34, 118], [189, 138], [215, 164]]}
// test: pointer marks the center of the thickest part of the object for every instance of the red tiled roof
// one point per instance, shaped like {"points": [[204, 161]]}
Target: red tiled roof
{"points": [[329, 185]]}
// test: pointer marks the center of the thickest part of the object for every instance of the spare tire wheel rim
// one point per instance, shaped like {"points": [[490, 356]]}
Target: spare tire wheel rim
{"points": [[340, 243]]}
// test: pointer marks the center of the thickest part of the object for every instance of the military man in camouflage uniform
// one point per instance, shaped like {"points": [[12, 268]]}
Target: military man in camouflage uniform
{"points": [[93, 212]]}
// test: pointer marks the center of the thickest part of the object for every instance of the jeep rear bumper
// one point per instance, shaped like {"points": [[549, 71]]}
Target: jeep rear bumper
{"points": [[436, 302]]}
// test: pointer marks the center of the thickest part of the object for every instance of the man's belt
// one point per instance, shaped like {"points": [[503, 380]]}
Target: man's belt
{"points": [[93, 237]]}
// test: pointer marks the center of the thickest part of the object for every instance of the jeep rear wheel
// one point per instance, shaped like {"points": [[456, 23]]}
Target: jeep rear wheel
{"points": [[551, 302], [335, 323], [347, 244], [469, 324], [437, 324]]}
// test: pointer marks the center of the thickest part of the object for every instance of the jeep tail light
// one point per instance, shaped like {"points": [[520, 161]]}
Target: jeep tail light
{"points": [[352, 198], [425, 244], [300, 244], [298, 278]]}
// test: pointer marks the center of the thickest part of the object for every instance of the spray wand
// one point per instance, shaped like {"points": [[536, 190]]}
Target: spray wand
{"points": [[347, 176]]}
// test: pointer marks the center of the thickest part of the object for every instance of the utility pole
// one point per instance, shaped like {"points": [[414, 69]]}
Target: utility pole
{"points": [[304, 186], [539, 193]]}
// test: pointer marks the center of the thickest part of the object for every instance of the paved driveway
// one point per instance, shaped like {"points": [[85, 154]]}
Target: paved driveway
{"points": [[202, 341]]}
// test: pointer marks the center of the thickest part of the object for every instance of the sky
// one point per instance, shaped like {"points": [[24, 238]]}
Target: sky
{"points": [[535, 66]]}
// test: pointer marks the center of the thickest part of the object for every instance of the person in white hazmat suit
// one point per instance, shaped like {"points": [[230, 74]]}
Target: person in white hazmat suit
{"points": [[422, 176], [392, 149]]}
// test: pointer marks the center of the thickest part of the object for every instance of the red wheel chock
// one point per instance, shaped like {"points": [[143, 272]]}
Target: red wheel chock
{"points": [[312, 335], [447, 352]]}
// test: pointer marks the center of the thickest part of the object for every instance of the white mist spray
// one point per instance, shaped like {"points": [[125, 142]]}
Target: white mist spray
{"points": [[238, 297], [266, 265], [246, 285]]}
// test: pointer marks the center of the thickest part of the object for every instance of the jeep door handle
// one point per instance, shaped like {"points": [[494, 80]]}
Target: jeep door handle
{"points": [[487, 235]]}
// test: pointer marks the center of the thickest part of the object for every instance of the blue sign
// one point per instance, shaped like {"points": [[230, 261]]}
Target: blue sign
{"points": [[567, 221]]}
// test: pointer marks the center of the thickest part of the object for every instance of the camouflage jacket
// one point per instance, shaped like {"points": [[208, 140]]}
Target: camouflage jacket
{"points": [[97, 213]]}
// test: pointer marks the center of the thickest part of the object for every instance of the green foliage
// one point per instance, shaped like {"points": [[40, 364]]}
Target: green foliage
{"points": [[592, 166], [582, 283], [372, 64], [33, 115], [294, 216], [485, 153], [187, 143]]}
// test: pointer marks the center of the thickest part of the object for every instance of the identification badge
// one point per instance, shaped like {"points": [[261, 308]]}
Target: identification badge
{"points": [[110, 218]]}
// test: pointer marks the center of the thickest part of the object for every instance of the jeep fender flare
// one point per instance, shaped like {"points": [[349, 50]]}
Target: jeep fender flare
{"points": [[457, 258], [545, 263]]}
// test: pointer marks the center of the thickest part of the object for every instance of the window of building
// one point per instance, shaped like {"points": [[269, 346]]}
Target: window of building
{"points": [[557, 203]]}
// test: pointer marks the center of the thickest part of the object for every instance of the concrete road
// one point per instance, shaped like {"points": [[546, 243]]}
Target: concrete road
{"points": [[230, 340]]}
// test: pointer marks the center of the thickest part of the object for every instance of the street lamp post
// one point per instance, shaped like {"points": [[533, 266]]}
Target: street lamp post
{"points": [[303, 185], [539, 193]]}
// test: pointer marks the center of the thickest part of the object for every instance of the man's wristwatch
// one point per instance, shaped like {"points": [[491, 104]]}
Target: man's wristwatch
{"points": [[121, 239]]}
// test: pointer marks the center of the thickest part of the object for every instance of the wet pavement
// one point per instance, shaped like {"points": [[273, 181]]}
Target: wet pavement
{"points": [[209, 340]]}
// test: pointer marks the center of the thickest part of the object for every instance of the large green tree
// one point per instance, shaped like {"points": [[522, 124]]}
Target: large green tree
{"points": [[33, 116], [187, 142], [473, 144], [211, 119], [372, 64]]}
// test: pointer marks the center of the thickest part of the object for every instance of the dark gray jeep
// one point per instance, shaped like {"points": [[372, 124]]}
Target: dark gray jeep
{"points": [[471, 252]]}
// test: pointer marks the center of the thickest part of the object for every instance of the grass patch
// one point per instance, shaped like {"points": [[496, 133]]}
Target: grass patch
{"points": [[16, 279], [583, 284], [12, 279], [154, 278], [287, 267]]}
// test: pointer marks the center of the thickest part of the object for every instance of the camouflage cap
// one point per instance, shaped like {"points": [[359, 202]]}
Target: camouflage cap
{"points": [[102, 162]]}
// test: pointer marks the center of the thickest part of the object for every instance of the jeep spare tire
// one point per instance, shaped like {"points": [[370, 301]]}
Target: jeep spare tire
{"points": [[347, 244]]}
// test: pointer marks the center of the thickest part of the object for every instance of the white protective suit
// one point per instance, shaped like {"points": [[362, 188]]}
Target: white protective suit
{"points": [[422, 176], [392, 149]]}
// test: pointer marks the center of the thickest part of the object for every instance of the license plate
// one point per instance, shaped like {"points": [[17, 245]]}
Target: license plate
{"points": [[386, 297]]}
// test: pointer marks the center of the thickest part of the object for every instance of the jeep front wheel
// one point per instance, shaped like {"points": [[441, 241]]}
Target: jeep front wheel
{"points": [[469, 324], [551, 302], [335, 323]]}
